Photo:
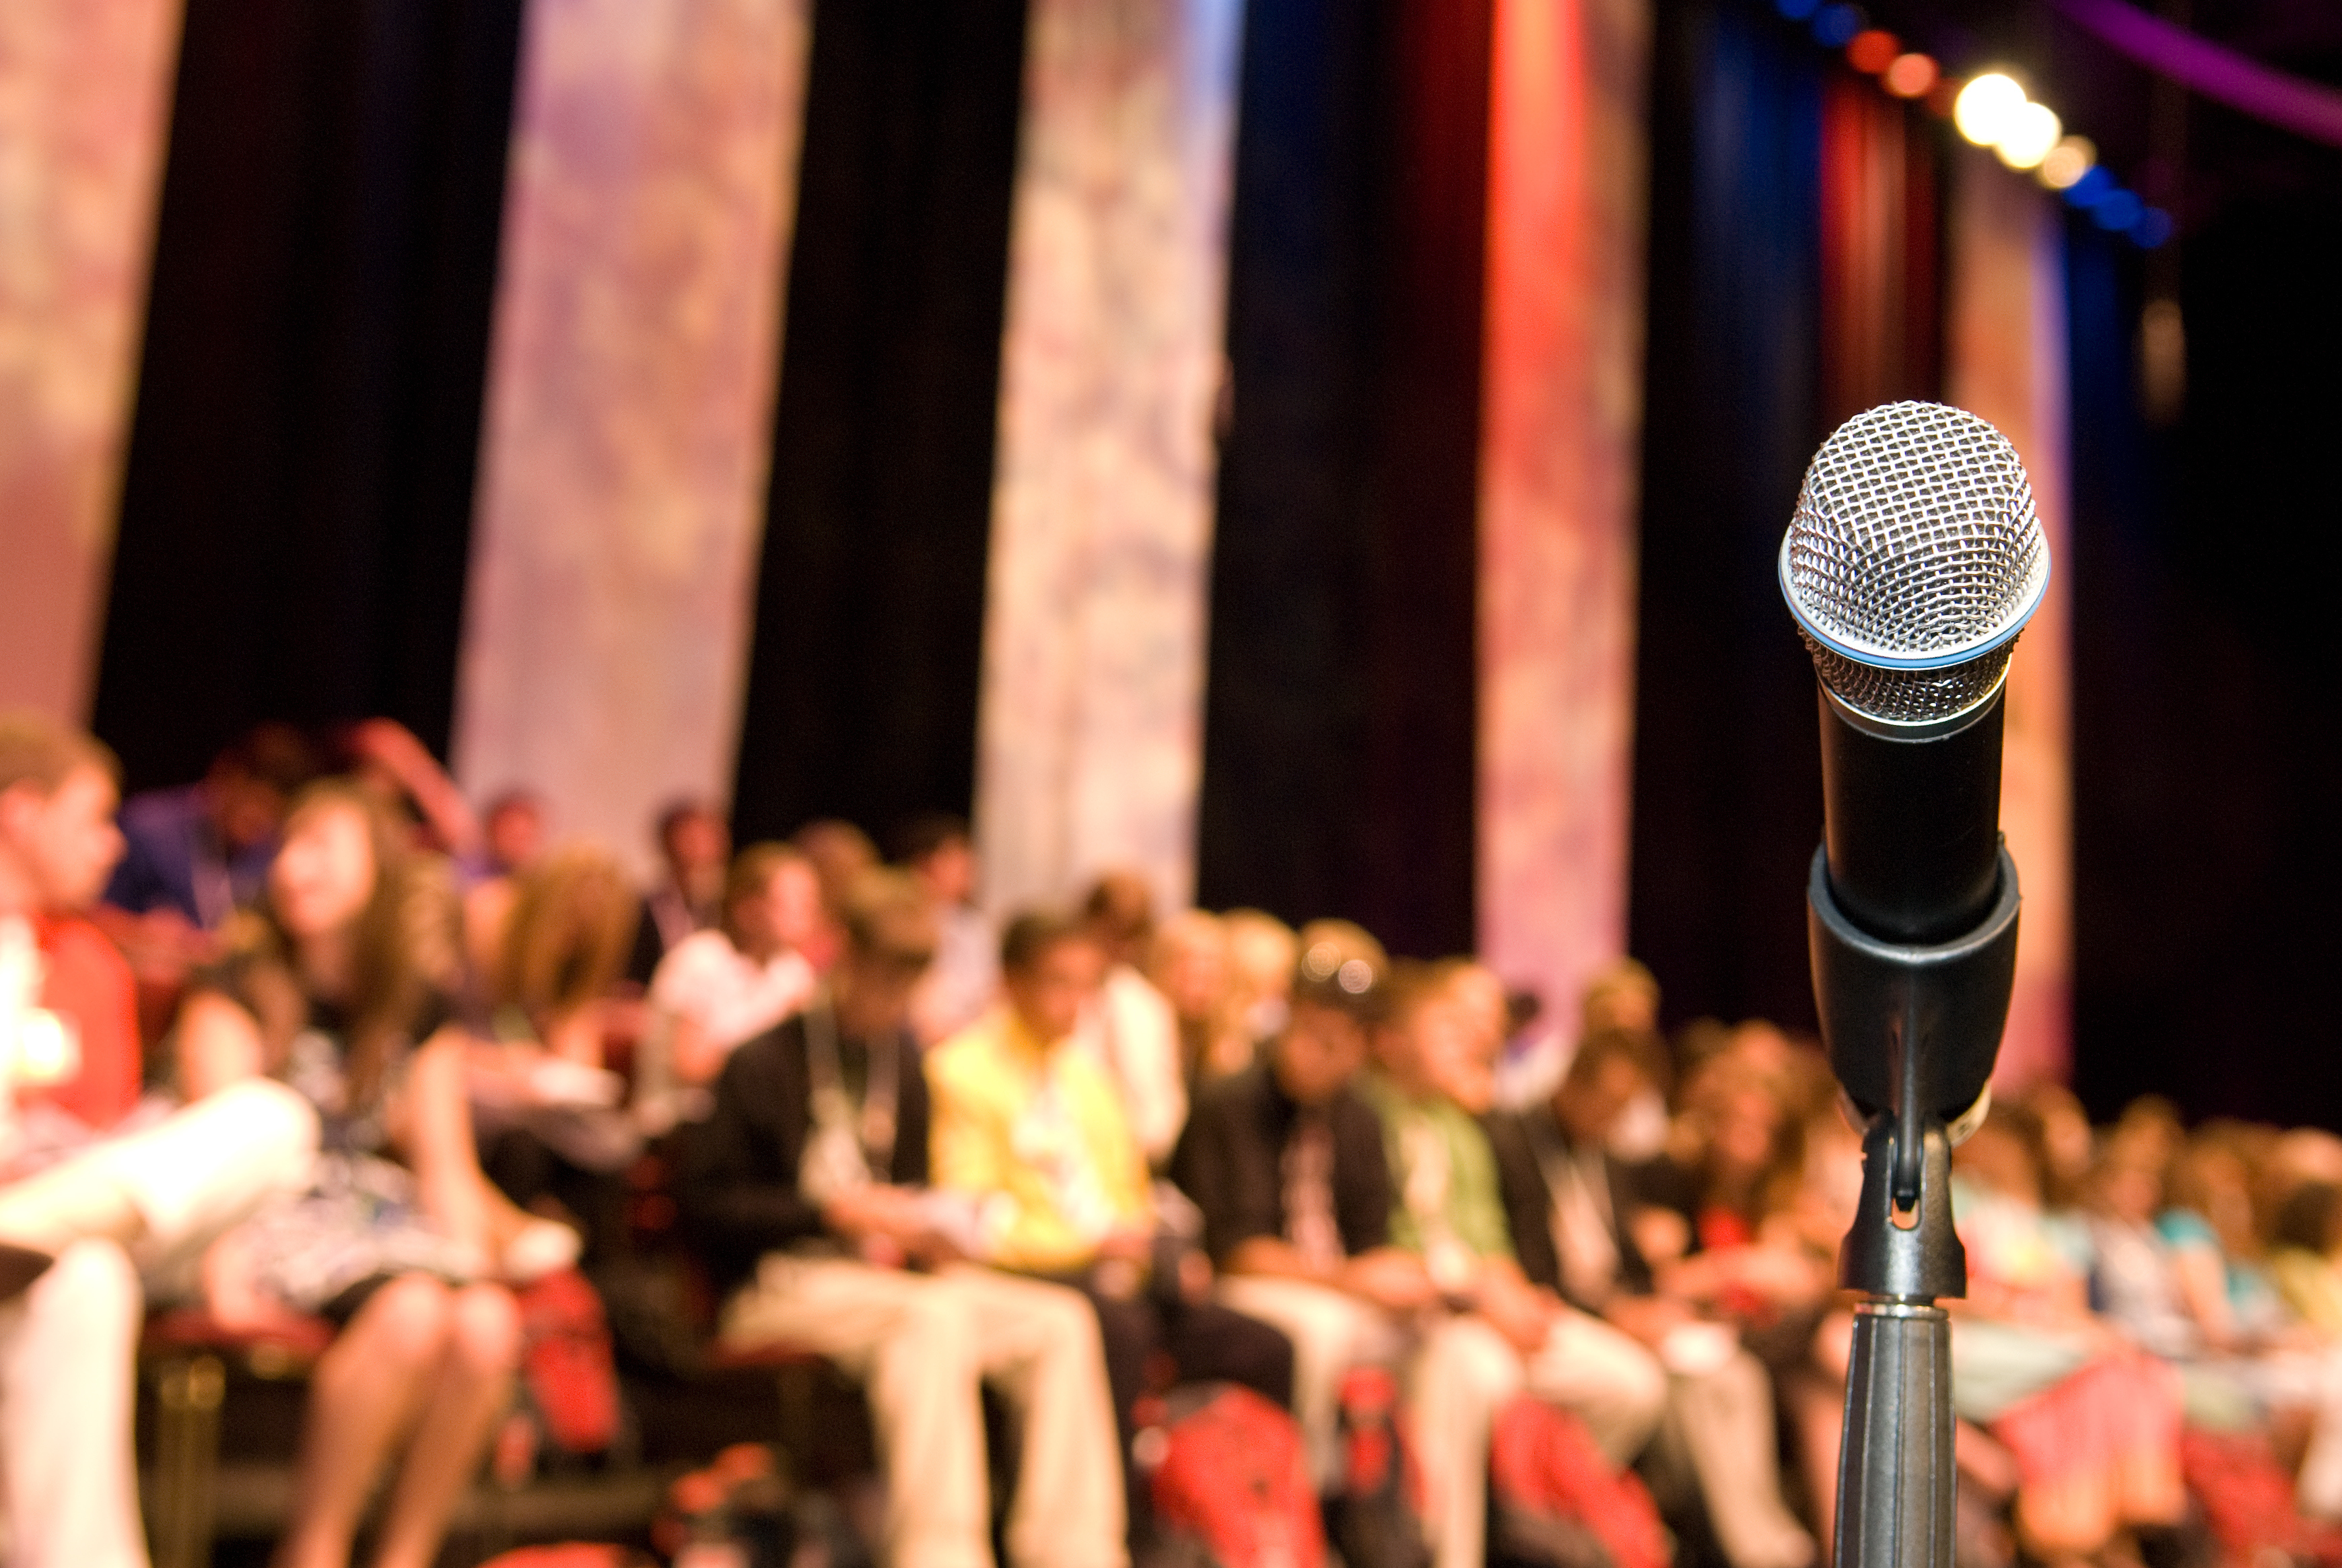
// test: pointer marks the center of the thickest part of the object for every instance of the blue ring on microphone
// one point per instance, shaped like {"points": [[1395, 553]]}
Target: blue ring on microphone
{"points": [[1878, 661]]}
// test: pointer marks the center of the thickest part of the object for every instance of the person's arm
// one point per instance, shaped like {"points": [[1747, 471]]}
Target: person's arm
{"points": [[392, 747], [438, 1139], [218, 1043]]}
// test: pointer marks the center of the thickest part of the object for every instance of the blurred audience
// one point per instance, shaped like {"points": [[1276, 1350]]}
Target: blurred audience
{"points": [[1129, 1025], [695, 845], [1501, 1333], [939, 854], [807, 1187], [341, 985], [730, 983], [92, 1191], [1100, 1154], [1031, 1133]]}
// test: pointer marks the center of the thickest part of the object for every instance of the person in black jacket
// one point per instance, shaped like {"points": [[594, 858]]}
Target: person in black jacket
{"points": [[1570, 1204], [806, 1191], [1286, 1162]]}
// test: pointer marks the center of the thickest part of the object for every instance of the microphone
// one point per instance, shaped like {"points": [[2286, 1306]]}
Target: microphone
{"points": [[1913, 561]]}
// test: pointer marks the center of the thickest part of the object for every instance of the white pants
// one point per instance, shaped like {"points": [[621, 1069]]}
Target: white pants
{"points": [[184, 1181], [1331, 1331], [1466, 1372], [67, 1348], [921, 1344]]}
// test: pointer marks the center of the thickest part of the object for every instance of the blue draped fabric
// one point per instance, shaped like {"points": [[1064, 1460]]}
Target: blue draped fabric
{"points": [[1727, 774]]}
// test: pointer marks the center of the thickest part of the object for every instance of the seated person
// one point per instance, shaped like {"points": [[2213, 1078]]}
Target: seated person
{"points": [[1286, 1161], [1573, 1202], [84, 1198], [1502, 1335], [1129, 1025], [936, 850], [339, 986], [806, 1187], [200, 852], [546, 1109], [1028, 1128], [719, 987], [695, 845]]}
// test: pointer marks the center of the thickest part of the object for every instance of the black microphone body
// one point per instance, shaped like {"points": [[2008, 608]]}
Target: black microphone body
{"points": [[1912, 826]]}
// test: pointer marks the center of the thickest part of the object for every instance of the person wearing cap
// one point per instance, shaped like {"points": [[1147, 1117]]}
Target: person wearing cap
{"points": [[1286, 1161], [1498, 1334], [807, 1188]]}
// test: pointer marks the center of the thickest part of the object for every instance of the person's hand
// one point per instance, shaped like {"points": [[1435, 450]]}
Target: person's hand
{"points": [[1647, 1319], [861, 1212], [1393, 1280], [1521, 1315], [1131, 1244]]}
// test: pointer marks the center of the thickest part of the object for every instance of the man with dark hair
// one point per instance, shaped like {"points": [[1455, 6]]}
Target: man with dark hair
{"points": [[1569, 1202], [1029, 1129], [807, 1188], [203, 850], [1286, 1162], [695, 845]]}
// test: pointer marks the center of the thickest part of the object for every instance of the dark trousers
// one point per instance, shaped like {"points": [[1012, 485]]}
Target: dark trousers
{"points": [[1153, 1344]]}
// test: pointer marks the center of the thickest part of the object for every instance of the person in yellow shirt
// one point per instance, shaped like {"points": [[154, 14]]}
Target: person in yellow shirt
{"points": [[1030, 1132]]}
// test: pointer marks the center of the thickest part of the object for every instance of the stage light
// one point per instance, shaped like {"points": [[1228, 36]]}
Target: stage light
{"points": [[2117, 211], [2067, 162], [2032, 131], [1986, 107], [1874, 51], [1796, 10], [2153, 227], [1910, 76], [2095, 186], [1836, 26]]}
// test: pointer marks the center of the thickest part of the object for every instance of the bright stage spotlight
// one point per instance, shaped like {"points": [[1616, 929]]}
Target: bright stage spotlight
{"points": [[2032, 131], [1910, 76], [1987, 107], [2067, 162]]}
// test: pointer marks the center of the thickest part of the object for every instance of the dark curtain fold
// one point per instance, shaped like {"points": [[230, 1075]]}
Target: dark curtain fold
{"points": [[2206, 766], [862, 685], [295, 513], [1339, 722], [1727, 774]]}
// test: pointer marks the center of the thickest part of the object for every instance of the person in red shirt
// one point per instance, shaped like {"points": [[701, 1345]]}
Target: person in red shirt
{"points": [[82, 1211]]}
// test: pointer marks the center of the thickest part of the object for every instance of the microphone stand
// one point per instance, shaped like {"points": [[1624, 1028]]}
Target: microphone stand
{"points": [[1912, 1032]]}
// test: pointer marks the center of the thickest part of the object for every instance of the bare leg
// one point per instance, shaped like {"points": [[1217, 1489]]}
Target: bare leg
{"points": [[366, 1392], [469, 1391]]}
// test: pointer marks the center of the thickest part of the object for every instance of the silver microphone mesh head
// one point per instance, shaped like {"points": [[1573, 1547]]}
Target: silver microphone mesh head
{"points": [[1913, 560]]}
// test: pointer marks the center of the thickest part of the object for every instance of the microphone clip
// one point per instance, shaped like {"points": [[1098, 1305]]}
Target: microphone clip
{"points": [[1912, 1033]]}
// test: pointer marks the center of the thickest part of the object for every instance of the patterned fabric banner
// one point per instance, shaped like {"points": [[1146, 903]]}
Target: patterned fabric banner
{"points": [[646, 236], [84, 110], [1559, 448], [1090, 720]]}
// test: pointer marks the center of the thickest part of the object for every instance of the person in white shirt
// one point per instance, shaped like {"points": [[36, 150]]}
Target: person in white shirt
{"points": [[1132, 1028], [720, 987], [965, 979]]}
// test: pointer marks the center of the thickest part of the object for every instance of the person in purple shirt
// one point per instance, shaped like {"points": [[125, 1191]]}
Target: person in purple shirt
{"points": [[204, 850]]}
